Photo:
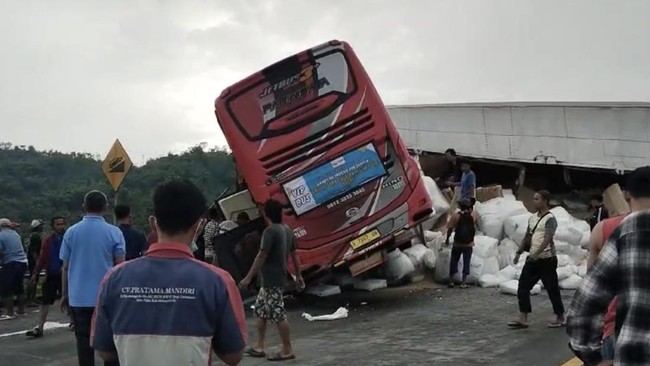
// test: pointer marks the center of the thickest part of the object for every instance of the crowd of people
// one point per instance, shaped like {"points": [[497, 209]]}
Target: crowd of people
{"points": [[116, 284]]}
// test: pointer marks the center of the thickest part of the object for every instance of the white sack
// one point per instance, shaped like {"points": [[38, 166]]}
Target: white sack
{"points": [[563, 260], [508, 273], [440, 204], [582, 270], [485, 247], [416, 254], [565, 272], [584, 241], [562, 216], [431, 235], [398, 266], [507, 250], [510, 288], [430, 258], [568, 234], [488, 280], [562, 247], [494, 212], [442, 265], [515, 227], [571, 283], [579, 255], [437, 243]]}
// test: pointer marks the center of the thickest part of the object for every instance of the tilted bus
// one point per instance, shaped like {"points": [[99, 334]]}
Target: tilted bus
{"points": [[312, 132]]}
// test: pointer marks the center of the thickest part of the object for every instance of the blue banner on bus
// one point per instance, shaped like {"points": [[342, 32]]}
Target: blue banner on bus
{"points": [[330, 180]]}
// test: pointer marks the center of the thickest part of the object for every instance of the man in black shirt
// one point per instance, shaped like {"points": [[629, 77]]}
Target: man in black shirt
{"points": [[599, 212], [455, 172], [33, 250], [136, 240]]}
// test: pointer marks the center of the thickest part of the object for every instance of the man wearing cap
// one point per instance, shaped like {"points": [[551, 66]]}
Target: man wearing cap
{"points": [[33, 244], [14, 266], [49, 261]]}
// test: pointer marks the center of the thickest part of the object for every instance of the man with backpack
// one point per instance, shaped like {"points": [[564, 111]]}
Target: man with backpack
{"points": [[462, 222], [541, 263]]}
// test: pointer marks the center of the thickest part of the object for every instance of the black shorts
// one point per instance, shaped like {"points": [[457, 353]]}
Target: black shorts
{"points": [[51, 289], [12, 277]]}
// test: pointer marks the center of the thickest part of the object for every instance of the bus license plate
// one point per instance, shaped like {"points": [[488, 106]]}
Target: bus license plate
{"points": [[365, 239]]}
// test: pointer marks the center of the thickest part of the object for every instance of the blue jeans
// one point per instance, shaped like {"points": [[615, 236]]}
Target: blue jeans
{"points": [[607, 350]]}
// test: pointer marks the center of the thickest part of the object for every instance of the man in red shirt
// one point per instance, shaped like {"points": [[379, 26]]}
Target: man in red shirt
{"points": [[49, 260], [598, 239], [601, 232]]}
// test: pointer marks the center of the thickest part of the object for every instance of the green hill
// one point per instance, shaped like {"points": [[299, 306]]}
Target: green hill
{"points": [[41, 184]]}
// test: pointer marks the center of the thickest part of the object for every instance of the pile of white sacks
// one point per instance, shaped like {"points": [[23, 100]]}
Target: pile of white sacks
{"points": [[506, 219], [502, 225]]}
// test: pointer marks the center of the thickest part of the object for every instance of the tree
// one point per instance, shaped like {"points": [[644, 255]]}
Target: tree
{"points": [[42, 184]]}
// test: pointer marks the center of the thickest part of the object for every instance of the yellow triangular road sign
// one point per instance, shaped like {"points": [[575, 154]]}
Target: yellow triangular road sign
{"points": [[116, 165]]}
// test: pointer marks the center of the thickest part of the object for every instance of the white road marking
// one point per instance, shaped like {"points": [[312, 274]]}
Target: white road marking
{"points": [[48, 326]]}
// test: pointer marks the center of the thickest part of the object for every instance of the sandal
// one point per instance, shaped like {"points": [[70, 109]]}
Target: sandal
{"points": [[556, 324], [255, 353], [34, 333], [277, 356], [516, 324], [464, 285]]}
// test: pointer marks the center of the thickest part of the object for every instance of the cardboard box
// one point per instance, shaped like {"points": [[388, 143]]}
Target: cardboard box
{"points": [[487, 193], [615, 202]]}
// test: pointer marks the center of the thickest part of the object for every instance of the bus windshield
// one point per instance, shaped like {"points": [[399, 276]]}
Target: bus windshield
{"points": [[286, 87]]}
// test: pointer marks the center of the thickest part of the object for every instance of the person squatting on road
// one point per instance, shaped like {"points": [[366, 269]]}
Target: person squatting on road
{"points": [[48, 259], [541, 263], [89, 250], [168, 308], [464, 226], [621, 271], [278, 241]]}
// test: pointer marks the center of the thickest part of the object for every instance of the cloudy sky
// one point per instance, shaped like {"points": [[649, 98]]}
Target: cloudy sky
{"points": [[75, 75]]}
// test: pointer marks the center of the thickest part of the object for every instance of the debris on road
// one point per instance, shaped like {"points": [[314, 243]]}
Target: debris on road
{"points": [[340, 313]]}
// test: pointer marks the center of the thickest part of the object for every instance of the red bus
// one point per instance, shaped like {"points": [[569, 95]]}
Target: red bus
{"points": [[312, 132]]}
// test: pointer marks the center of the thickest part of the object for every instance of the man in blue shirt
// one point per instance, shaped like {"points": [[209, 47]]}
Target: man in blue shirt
{"points": [[14, 267], [168, 308], [468, 183], [89, 250]]}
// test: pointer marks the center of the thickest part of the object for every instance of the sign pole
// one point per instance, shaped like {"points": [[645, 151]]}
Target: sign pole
{"points": [[117, 191]]}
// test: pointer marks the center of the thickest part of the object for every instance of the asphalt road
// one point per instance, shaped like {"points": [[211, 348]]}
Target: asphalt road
{"points": [[419, 324]]}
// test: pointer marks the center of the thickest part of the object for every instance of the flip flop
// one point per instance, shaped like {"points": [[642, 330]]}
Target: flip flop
{"points": [[277, 356], [464, 285], [255, 353], [556, 325], [515, 324]]}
